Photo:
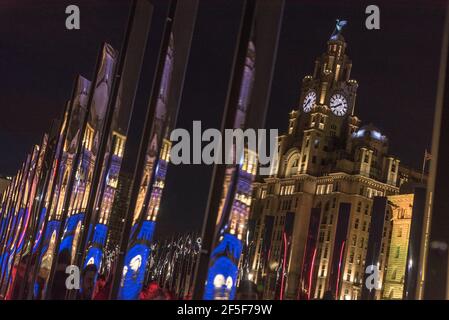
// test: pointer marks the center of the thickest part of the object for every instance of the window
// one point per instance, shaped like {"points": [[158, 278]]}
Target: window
{"points": [[287, 190], [351, 256], [291, 125], [356, 224], [321, 125], [398, 252], [312, 121], [324, 219], [321, 238], [366, 158], [393, 274], [88, 137], [321, 189], [120, 145], [322, 270], [399, 232]]}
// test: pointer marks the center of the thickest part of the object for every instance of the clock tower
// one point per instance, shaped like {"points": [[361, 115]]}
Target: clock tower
{"points": [[329, 171], [325, 116], [331, 84]]}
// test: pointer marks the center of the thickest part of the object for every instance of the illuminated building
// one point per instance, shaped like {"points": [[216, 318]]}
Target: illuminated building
{"points": [[330, 169], [401, 207]]}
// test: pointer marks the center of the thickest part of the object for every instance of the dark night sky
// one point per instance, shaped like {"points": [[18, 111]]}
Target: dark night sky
{"points": [[396, 67]]}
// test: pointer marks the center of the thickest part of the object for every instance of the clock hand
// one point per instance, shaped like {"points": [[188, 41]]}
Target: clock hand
{"points": [[336, 106]]}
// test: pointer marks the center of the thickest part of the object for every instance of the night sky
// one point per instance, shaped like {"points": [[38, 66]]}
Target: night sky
{"points": [[396, 68]]}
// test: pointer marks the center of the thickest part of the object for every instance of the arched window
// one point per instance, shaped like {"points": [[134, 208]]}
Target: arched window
{"points": [[292, 165]]}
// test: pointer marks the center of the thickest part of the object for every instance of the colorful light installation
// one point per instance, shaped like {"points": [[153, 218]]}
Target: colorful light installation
{"points": [[223, 269], [57, 189], [91, 138], [151, 187]]}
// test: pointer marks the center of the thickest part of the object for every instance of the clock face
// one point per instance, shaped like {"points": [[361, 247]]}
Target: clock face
{"points": [[339, 104], [309, 101]]}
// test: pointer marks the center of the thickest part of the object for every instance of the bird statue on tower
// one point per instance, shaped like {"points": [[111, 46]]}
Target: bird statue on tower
{"points": [[339, 24]]}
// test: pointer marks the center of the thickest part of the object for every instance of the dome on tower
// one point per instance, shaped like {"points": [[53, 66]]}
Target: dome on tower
{"points": [[371, 131]]}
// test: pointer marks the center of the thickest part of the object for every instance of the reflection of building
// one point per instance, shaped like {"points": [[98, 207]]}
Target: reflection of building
{"points": [[329, 171], [152, 182], [117, 217], [232, 218]]}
